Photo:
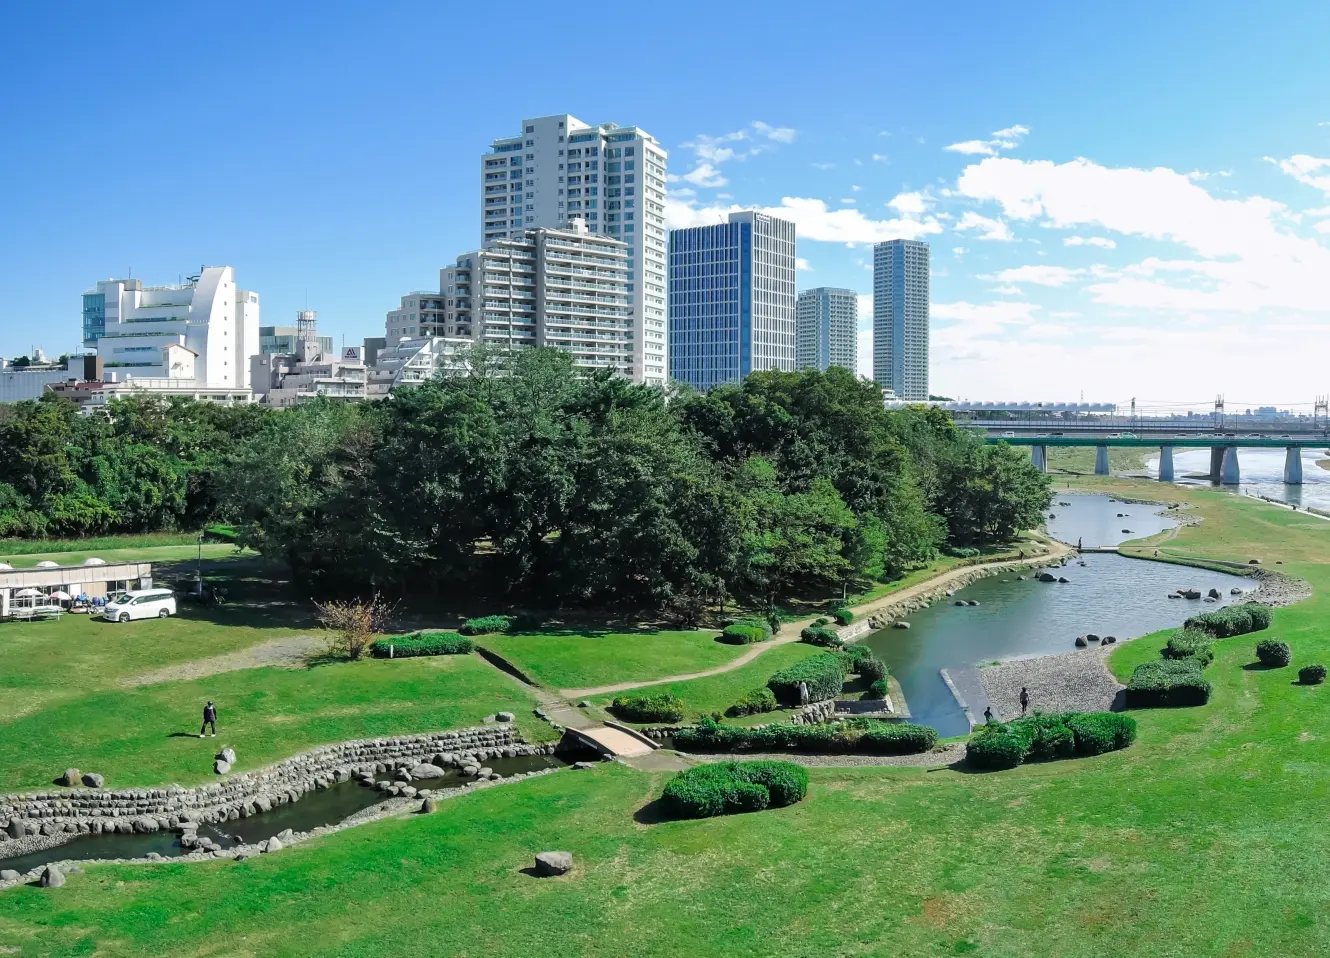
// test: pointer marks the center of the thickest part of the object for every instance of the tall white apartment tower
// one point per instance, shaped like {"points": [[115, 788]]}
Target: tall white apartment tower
{"points": [[900, 318], [827, 329], [613, 178]]}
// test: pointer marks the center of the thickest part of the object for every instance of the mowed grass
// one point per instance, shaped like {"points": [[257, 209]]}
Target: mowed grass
{"points": [[115, 552], [582, 658]]}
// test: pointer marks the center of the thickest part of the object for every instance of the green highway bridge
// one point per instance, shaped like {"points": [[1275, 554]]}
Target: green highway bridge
{"points": [[1223, 448]]}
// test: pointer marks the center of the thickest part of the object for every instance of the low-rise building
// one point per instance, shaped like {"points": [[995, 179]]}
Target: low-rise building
{"points": [[92, 577], [411, 362]]}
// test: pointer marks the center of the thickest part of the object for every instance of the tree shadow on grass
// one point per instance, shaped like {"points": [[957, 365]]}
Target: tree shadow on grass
{"points": [[1261, 667], [653, 813]]}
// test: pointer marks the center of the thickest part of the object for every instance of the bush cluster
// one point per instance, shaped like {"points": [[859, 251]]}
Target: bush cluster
{"points": [[1042, 738], [1274, 653], [820, 635], [866, 735], [1169, 683], [1311, 674], [824, 674], [843, 616], [1233, 620], [878, 689], [486, 624], [745, 633], [661, 707], [753, 703], [1190, 645], [722, 788], [860, 660], [422, 643], [962, 552]]}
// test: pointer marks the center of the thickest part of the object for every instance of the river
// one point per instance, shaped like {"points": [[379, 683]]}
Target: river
{"points": [[1108, 595], [1262, 472]]}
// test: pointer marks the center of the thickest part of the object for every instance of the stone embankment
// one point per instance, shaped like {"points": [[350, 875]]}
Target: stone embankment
{"points": [[33, 821]]}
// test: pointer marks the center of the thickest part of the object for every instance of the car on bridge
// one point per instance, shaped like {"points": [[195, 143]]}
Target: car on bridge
{"points": [[1008, 435]]}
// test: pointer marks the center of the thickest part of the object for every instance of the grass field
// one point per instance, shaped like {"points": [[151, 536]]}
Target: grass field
{"points": [[178, 553], [1206, 837], [1080, 459]]}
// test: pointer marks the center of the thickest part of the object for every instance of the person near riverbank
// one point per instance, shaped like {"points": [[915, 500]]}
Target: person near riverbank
{"points": [[210, 719], [1025, 699]]}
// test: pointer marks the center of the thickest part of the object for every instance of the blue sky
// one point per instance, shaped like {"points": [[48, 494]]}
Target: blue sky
{"points": [[1125, 201]]}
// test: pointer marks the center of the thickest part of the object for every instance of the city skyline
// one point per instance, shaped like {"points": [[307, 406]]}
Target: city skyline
{"points": [[1084, 230]]}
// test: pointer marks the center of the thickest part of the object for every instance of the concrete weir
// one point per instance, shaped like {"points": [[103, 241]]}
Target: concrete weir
{"points": [[1293, 466]]}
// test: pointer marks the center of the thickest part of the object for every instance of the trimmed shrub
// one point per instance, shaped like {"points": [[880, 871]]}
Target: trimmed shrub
{"points": [[821, 620], [1190, 645], [1048, 737], [843, 616], [823, 673], [878, 689], [661, 707], [723, 788], [872, 669], [1233, 620], [1273, 653], [753, 703], [422, 643], [773, 622], [1311, 674], [872, 736], [820, 635], [1167, 684], [487, 624], [961, 552], [745, 633]]}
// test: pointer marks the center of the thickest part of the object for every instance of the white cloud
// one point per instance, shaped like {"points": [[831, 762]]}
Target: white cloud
{"points": [[1099, 241], [813, 219], [848, 199], [1065, 314], [959, 251], [1307, 169], [824, 166], [1005, 139], [865, 302], [704, 174], [781, 134], [802, 264], [1008, 290], [1323, 227], [993, 229], [909, 203], [879, 158], [1040, 275], [865, 353], [856, 189], [712, 151]]}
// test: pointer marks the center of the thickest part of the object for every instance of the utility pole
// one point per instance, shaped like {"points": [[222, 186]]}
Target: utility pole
{"points": [[1219, 413]]}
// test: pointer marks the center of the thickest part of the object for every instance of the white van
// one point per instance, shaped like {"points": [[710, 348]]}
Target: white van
{"points": [[143, 604]]}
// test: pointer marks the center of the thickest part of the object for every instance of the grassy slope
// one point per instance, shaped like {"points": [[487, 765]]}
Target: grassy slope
{"points": [[567, 658], [1204, 838], [128, 553]]}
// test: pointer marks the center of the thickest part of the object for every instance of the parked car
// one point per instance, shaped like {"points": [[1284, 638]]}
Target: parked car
{"points": [[1008, 435], [140, 604]]}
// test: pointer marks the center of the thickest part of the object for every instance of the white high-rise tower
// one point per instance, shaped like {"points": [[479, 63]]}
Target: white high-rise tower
{"points": [[900, 318], [613, 178]]}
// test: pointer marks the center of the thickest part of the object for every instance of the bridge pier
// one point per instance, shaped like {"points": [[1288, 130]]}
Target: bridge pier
{"points": [[1293, 466], [1101, 460], [1216, 462], [1228, 472], [1165, 463], [1039, 456]]}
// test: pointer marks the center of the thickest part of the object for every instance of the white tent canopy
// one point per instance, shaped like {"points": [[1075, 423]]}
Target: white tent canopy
{"points": [[28, 593], [60, 596]]}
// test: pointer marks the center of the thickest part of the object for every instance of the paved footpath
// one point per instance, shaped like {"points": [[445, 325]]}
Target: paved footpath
{"points": [[790, 630]]}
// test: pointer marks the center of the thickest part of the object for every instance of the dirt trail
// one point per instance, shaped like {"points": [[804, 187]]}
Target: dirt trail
{"points": [[288, 653], [790, 630]]}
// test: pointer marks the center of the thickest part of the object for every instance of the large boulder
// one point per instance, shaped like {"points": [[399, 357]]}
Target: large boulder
{"points": [[52, 877], [71, 777], [1213, 593], [221, 766], [427, 771], [16, 828], [1047, 577], [549, 864], [227, 755], [8, 874], [428, 806], [504, 716], [272, 845], [93, 780]]}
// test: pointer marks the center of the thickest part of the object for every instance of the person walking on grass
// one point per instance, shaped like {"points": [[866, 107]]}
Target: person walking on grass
{"points": [[210, 719], [1025, 699]]}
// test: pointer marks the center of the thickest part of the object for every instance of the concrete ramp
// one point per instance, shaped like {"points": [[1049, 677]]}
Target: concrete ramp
{"points": [[613, 741]]}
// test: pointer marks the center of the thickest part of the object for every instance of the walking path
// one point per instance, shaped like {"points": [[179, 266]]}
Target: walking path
{"points": [[790, 631]]}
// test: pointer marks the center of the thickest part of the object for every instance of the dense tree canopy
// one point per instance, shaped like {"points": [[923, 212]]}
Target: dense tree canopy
{"points": [[523, 480]]}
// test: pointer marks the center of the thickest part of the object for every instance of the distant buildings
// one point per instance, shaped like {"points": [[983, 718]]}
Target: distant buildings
{"points": [[732, 299], [308, 370], [827, 329], [613, 178], [282, 341], [199, 334], [900, 318]]}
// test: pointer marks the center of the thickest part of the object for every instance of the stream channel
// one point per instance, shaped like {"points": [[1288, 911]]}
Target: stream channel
{"points": [[1108, 595], [327, 806]]}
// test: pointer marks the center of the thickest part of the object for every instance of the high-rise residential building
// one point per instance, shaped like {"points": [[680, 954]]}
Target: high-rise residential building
{"points": [[827, 329], [900, 318], [565, 288], [560, 169], [732, 300], [419, 316], [203, 331]]}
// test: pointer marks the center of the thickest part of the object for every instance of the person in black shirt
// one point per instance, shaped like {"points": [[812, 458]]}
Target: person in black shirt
{"points": [[209, 719]]}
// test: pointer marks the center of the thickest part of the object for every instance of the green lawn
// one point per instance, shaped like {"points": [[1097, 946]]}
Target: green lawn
{"points": [[581, 658], [1080, 459], [716, 693], [126, 553]]}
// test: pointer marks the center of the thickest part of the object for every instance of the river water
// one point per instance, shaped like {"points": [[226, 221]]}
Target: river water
{"points": [[1108, 595], [1262, 473]]}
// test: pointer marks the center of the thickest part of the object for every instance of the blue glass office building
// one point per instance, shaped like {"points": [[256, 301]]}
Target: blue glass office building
{"points": [[900, 318], [731, 299]]}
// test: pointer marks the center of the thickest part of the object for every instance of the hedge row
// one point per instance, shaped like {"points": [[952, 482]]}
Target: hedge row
{"points": [[1048, 737], [1233, 620], [843, 616], [820, 635], [661, 707], [487, 624], [422, 643], [753, 703], [1190, 645], [1169, 683], [745, 633], [725, 787], [869, 736], [823, 672]]}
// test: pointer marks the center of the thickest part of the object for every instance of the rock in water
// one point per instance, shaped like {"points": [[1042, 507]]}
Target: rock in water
{"points": [[71, 777], [93, 780], [1080, 642], [427, 771], [1063, 578], [549, 864], [52, 877], [1213, 593], [221, 766], [900, 624], [1047, 577], [960, 602]]}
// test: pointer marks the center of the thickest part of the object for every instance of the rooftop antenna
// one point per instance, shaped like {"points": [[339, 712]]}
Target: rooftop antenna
{"points": [[306, 325]]}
